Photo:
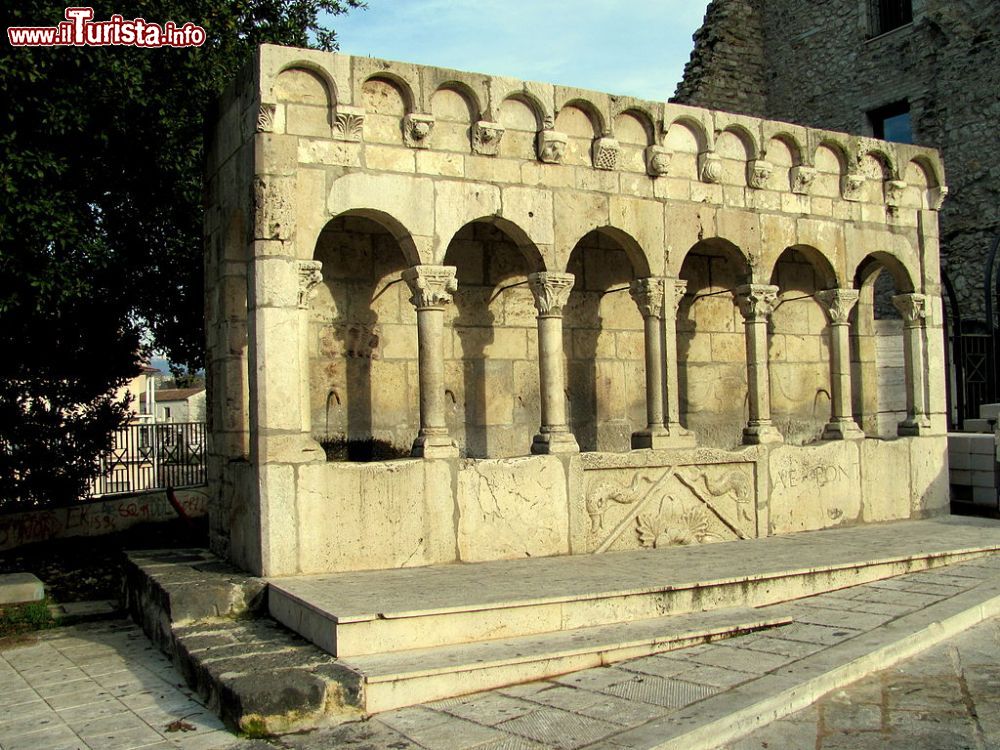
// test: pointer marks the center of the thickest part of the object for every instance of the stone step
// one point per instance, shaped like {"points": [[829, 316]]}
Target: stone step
{"points": [[375, 612], [405, 678]]}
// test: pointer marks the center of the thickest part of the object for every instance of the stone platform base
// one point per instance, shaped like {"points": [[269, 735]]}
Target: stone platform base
{"points": [[424, 634], [211, 620], [415, 635]]}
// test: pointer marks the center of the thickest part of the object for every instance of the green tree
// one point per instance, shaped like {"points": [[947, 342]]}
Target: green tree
{"points": [[101, 152]]}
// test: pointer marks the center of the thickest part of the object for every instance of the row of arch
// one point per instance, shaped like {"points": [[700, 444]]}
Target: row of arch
{"points": [[630, 120], [362, 376], [758, 270]]}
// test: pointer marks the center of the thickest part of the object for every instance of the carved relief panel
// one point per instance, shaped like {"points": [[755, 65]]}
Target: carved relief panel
{"points": [[665, 506]]}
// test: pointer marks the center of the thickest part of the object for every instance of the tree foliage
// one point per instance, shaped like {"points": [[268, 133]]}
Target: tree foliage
{"points": [[101, 152]]}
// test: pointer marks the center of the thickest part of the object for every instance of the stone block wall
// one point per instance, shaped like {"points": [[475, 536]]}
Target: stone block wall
{"points": [[471, 269], [820, 65]]}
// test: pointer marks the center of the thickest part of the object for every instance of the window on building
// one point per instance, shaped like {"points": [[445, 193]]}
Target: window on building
{"points": [[892, 122], [890, 14], [166, 412]]}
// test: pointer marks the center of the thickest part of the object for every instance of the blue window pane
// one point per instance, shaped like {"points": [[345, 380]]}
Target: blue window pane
{"points": [[897, 128]]}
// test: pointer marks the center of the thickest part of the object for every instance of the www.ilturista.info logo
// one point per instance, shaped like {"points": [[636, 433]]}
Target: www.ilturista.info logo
{"points": [[79, 30]]}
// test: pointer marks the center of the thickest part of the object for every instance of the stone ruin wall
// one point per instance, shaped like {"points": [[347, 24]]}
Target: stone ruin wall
{"points": [[338, 185], [815, 64]]}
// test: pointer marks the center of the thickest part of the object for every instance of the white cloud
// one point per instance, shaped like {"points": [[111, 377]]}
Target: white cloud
{"points": [[637, 48]]}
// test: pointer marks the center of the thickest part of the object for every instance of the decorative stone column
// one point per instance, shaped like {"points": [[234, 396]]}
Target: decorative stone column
{"points": [[679, 436], [551, 291], [432, 287], [913, 308], [310, 277], [838, 304], [648, 294], [756, 303]]}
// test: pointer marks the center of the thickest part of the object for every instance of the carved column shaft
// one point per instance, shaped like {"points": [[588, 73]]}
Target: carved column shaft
{"points": [[838, 304], [432, 287], [310, 277], [673, 416], [756, 303], [551, 291], [913, 308], [648, 294]]}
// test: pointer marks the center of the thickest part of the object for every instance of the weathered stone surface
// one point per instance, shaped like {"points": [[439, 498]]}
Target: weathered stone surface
{"points": [[814, 487], [512, 508], [379, 251]]}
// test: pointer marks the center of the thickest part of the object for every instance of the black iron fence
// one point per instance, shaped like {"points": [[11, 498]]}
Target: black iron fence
{"points": [[148, 457]]}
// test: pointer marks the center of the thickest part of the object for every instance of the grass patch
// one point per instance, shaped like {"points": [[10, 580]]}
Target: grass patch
{"points": [[17, 619]]}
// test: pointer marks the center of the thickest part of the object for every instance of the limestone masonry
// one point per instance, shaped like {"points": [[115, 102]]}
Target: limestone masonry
{"points": [[597, 323]]}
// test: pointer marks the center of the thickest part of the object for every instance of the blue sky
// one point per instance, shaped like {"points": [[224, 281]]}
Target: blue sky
{"points": [[636, 48]]}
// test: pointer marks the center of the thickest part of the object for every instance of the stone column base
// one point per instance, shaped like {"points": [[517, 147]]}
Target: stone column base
{"points": [[761, 434], [663, 439], [846, 430], [554, 442], [434, 446], [914, 427]]}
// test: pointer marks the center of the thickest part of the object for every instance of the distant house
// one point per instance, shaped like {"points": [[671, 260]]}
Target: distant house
{"points": [[178, 405], [143, 391]]}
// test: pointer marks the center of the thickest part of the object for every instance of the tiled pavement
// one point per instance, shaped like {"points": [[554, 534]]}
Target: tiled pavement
{"points": [[944, 699], [103, 686]]}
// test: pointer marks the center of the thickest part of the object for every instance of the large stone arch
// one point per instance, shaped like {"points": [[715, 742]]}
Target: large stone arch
{"points": [[362, 331], [603, 341], [399, 204], [801, 387], [491, 370], [711, 347]]}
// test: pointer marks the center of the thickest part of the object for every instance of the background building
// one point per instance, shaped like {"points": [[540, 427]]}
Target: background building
{"points": [[920, 71]]}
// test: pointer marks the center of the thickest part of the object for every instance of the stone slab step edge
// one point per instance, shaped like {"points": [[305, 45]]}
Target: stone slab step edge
{"points": [[419, 676], [180, 607], [21, 588], [726, 717], [165, 587], [453, 626], [259, 678]]}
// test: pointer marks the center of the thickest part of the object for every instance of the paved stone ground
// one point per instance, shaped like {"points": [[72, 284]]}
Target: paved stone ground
{"points": [[103, 686], [945, 699], [99, 686]]}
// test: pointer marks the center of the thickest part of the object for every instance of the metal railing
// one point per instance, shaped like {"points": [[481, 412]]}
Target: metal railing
{"points": [[149, 457]]}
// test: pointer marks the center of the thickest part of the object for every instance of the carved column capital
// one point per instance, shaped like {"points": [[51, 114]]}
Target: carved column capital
{"points": [[349, 123], [605, 153], [756, 301], [432, 286], [648, 296], [551, 292], [680, 289], [838, 304], [486, 137], [310, 276], [895, 190], [852, 186], [658, 160], [709, 167], [265, 118], [551, 146], [758, 172], [802, 179], [913, 308], [417, 130]]}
